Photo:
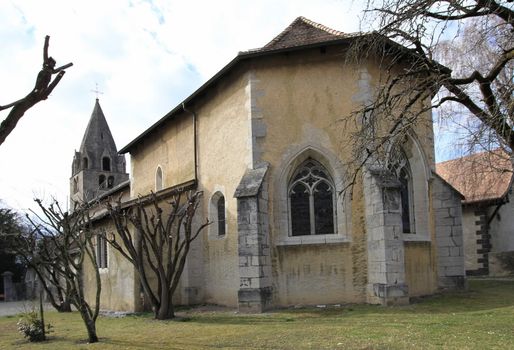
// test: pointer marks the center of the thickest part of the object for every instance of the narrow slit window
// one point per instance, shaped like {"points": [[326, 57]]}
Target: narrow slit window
{"points": [[221, 216]]}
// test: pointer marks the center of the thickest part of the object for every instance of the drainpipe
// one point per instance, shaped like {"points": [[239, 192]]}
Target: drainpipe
{"points": [[194, 140]]}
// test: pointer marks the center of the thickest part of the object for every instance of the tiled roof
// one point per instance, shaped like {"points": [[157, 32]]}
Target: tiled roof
{"points": [[484, 176], [303, 32]]}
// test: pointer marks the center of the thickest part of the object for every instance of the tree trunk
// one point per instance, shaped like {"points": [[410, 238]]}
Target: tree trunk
{"points": [[90, 324], [165, 310], [65, 306], [91, 331]]}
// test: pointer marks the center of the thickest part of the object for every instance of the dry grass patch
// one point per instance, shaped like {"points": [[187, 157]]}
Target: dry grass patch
{"points": [[480, 318]]}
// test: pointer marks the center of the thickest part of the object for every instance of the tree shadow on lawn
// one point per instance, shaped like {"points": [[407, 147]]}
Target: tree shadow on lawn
{"points": [[481, 295]]}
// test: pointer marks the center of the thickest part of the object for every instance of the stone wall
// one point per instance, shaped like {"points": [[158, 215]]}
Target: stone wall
{"points": [[447, 210]]}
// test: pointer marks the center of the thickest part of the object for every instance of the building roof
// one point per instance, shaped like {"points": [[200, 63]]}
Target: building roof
{"points": [[97, 136], [301, 34], [480, 177]]}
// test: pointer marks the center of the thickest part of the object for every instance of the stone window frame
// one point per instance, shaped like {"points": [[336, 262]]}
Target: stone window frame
{"points": [[421, 176], [327, 178], [291, 159], [159, 186], [214, 215], [402, 164], [102, 253]]}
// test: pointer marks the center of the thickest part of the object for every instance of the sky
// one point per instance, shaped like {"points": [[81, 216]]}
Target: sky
{"points": [[144, 56]]}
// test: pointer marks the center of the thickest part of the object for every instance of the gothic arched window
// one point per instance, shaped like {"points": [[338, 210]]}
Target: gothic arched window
{"points": [[401, 168], [217, 215], [311, 200]]}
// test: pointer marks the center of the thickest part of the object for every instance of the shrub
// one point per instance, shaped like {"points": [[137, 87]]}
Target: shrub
{"points": [[31, 326]]}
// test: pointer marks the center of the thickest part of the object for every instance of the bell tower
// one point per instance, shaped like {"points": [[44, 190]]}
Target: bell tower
{"points": [[97, 167]]}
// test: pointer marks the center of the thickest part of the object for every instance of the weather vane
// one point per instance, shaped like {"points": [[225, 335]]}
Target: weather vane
{"points": [[96, 91]]}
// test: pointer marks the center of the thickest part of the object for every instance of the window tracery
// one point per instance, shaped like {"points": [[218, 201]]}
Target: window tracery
{"points": [[311, 200]]}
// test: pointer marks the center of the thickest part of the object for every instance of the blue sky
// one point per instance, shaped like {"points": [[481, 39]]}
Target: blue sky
{"points": [[145, 56]]}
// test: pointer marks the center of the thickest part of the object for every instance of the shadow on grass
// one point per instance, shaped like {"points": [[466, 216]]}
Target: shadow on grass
{"points": [[480, 296]]}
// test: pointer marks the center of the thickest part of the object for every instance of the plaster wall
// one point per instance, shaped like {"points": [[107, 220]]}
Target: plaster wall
{"points": [[501, 229], [470, 228], [223, 156], [304, 102], [119, 283]]}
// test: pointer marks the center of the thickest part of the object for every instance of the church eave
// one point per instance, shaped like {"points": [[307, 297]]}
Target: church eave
{"points": [[243, 56]]}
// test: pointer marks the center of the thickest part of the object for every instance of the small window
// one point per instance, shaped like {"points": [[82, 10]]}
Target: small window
{"points": [[406, 200], [85, 163], [106, 164], [158, 179], [110, 182], [221, 215], [311, 200], [101, 252], [217, 215], [101, 181]]}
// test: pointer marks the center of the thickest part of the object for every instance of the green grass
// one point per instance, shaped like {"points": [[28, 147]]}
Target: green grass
{"points": [[481, 318]]}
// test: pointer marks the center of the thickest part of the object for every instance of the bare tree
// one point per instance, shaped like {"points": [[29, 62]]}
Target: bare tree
{"points": [[57, 247], [457, 52], [42, 89], [155, 237]]}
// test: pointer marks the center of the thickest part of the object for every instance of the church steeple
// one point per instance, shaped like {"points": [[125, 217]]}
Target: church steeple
{"points": [[97, 167]]}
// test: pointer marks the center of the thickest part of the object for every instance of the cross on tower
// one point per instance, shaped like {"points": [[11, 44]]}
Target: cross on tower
{"points": [[97, 91]]}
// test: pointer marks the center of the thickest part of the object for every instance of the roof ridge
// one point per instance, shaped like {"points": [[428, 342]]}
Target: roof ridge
{"points": [[306, 21], [322, 27]]}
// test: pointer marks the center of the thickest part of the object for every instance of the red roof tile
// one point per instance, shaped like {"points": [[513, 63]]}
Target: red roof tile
{"points": [[479, 177], [303, 32]]}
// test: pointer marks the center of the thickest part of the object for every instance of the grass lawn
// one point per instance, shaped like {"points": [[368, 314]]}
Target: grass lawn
{"points": [[481, 318]]}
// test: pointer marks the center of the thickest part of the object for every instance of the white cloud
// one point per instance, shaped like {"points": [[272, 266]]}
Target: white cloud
{"points": [[146, 57]]}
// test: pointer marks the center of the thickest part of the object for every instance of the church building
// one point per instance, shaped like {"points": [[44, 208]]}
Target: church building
{"points": [[263, 142]]}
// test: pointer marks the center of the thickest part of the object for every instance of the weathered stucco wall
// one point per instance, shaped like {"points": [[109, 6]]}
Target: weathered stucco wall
{"points": [[119, 286], [300, 99], [302, 105], [223, 155], [501, 230], [171, 148]]}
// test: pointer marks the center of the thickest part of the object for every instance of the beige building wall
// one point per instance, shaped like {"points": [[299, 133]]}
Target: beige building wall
{"points": [[470, 228], [304, 100], [223, 156], [118, 281]]}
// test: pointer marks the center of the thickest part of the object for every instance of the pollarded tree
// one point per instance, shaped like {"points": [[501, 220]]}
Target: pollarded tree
{"points": [[58, 246], [155, 236], [459, 53], [42, 89]]}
